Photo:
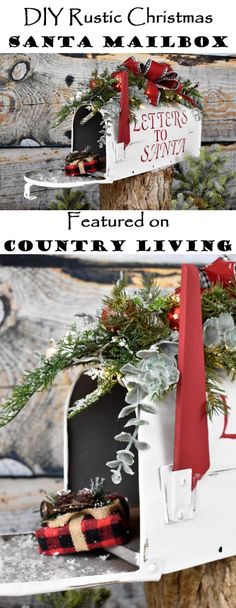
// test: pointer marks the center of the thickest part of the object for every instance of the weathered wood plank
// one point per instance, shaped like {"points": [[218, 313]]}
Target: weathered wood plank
{"points": [[33, 88], [38, 303], [24, 494], [15, 162]]}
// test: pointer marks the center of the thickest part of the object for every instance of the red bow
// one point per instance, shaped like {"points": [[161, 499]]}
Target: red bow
{"points": [[159, 76], [220, 271]]}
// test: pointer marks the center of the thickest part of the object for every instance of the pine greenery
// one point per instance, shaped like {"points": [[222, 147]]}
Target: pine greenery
{"points": [[127, 324], [104, 90], [83, 598], [202, 183], [70, 199]]}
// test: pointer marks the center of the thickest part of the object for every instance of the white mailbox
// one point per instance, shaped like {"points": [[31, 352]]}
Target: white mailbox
{"points": [[159, 136], [181, 516]]}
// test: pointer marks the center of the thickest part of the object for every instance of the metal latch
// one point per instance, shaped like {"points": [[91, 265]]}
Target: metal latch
{"points": [[179, 500], [119, 151]]}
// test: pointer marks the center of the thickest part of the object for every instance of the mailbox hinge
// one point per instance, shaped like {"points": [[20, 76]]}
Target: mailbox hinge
{"points": [[179, 500]]}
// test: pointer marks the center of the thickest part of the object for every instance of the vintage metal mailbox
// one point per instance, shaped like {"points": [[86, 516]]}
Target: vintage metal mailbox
{"points": [[183, 485], [159, 137]]}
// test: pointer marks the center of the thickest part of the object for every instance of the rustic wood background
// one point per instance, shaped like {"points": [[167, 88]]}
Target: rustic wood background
{"points": [[39, 298], [34, 87]]}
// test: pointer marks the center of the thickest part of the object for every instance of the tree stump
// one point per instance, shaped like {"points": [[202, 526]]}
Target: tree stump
{"points": [[208, 586], [148, 191]]}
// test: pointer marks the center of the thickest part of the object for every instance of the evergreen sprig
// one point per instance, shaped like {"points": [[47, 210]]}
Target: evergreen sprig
{"points": [[103, 89], [70, 199], [74, 598], [202, 183], [131, 323]]}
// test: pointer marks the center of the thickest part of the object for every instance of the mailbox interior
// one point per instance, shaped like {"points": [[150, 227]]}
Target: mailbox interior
{"points": [[88, 444], [87, 134]]}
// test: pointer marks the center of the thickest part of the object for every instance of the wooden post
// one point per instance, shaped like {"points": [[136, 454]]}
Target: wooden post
{"points": [[151, 190], [209, 586]]}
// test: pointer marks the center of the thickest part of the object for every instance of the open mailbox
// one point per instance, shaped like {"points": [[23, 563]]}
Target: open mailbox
{"points": [[172, 528], [159, 136], [178, 513]]}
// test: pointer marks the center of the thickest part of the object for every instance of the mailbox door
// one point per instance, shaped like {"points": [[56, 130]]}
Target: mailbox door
{"points": [[90, 441], [88, 133]]}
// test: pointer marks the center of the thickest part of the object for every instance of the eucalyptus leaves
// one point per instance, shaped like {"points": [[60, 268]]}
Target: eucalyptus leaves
{"points": [[154, 375], [220, 331]]}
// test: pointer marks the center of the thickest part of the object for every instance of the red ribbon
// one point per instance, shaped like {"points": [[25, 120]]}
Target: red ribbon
{"points": [[124, 129], [191, 449], [159, 76]]}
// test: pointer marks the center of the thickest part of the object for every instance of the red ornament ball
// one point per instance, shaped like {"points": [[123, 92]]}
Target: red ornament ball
{"points": [[93, 84], [106, 318], [173, 317], [118, 84]]}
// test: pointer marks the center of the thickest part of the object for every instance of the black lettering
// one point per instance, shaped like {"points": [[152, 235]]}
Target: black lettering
{"points": [[184, 41], [55, 15], [224, 246], [175, 245], [201, 41], [73, 15], [99, 246], [166, 41], [118, 245], [160, 246], [85, 42], [61, 246], [31, 43], [44, 245], [142, 246], [70, 215], [14, 41], [132, 15], [118, 42], [79, 245], [207, 245], [10, 246], [66, 41], [27, 14], [220, 42], [25, 245], [191, 245], [48, 41]]}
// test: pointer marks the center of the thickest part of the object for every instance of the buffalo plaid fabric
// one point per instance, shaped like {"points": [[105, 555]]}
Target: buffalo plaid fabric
{"points": [[98, 534], [90, 166], [204, 281]]}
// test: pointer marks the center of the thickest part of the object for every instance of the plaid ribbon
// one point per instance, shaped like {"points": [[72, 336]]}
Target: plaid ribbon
{"points": [[86, 530], [81, 166]]}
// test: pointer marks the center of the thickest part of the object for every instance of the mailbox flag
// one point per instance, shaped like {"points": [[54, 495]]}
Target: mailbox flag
{"points": [[191, 449]]}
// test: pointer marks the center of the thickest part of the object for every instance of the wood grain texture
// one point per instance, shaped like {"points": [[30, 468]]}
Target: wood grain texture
{"points": [[15, 162], [151, 190], [209, 586], [36, 303], [34, 87]]}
